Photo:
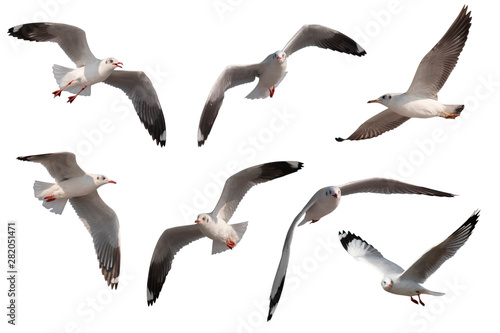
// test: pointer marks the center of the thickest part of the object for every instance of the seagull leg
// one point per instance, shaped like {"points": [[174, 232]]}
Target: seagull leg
{"points": [[314, 221], [230, 243], [72, 98], [271, 91], [414, 301], [58, 92], [449, 115], [420, 300], [49, 197]]}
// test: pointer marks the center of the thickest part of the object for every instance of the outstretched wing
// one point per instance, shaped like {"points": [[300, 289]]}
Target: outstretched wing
{"points": [[61, 166], [388, 186], [435, 257], [138, 87], [231, 76], [169, 243], [71, 39], [438, 64]]}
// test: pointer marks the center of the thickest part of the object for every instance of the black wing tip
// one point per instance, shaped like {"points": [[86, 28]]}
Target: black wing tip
{"points": [[24, 31], [474, 218], [23, 158], [273, 301], [339, 139], [347, 237]]}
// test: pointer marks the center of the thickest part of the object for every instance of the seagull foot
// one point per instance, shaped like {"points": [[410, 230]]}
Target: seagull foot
{"points": [[71, 99], [57, 93], [314, 221], [49, 197], [423, 304], [450, 115], [271, 91], [413, 300], [230, 243]]}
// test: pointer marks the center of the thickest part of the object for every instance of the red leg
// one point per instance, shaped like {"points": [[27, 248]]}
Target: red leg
{"points": [[230, 243], [420, 300], [271, 91], [414, 301], [58, 92], [49, 200], [314, 221], [72, 98], [49, 197]]}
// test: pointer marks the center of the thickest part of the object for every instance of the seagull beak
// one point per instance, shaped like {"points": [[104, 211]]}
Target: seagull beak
{"points": [[390, 285], [118, 64], [197, 221], [112, 182], [374, 101], [335, 195], [279, 58]]}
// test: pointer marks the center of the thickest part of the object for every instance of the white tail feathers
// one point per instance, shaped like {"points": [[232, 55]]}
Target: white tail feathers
{"points": [[43, 189], [258, 92], [62, 79], [239, 229], [454, 109]]}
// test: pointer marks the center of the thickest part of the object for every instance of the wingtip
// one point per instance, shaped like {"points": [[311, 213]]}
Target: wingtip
{"points": [[339, 139]]}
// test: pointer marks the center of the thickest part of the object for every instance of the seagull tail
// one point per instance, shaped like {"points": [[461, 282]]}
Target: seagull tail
{"points": [[258, 92], [239, 229], [63, 77], [43, 189], [454, 109]]}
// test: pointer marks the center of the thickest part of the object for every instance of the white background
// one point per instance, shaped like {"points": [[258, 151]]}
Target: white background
{"points": [[183, 46]]}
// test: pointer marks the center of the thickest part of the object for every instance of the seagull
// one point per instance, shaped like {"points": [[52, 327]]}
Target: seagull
{"points": [[325, 201], [271, 70], [90, 70], [420, 101], [212, 225], [408, 283], [80, 188]]}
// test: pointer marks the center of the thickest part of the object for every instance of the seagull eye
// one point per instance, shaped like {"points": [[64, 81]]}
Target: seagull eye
{"points": [[390, 96]]}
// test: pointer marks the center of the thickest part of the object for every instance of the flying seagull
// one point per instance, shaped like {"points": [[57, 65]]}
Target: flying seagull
{"points": [[271, 70], [91, 70], [80, 188], [408, 283], [212, 225], [420, 101], [325, 201]]}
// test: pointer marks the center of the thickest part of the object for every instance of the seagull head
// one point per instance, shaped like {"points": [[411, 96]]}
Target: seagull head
{"points": [[113, 63], [386, 99], [203, 219], [279, 56], [100, 180], [333, 191], [387, 283]]}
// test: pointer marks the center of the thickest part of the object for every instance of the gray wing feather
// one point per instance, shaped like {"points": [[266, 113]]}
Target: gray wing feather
{"points": [[102, 224], [388, 186], [438, 64], [231, 76], [61, 166], [169, 243], [238, 184], [435, 257], [70, 38], [364, 252], [138, 87], [376, 125], [326, 38]]}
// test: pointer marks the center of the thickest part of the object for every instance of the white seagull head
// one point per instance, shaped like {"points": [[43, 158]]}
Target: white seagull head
{"points": [[203, 219], [387, 283], [386, 99], [100, 180], [111, 63], [279, 56]]}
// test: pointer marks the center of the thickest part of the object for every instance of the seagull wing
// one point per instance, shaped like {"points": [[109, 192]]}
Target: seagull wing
{"points": [[435, 257], [279, 278], [238, 184], [61, 166], [231, 76], [437, 65], [364, 252], [326, 38], [388, 186], [138, 87], [102, 223], [376, 125], [71, 39], [169, 243]]}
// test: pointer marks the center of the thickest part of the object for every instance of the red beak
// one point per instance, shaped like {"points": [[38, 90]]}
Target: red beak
{"points": [[373, 101], [112, 182], [197, 221], [335, 195], [117, 64], [279, 58]]}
